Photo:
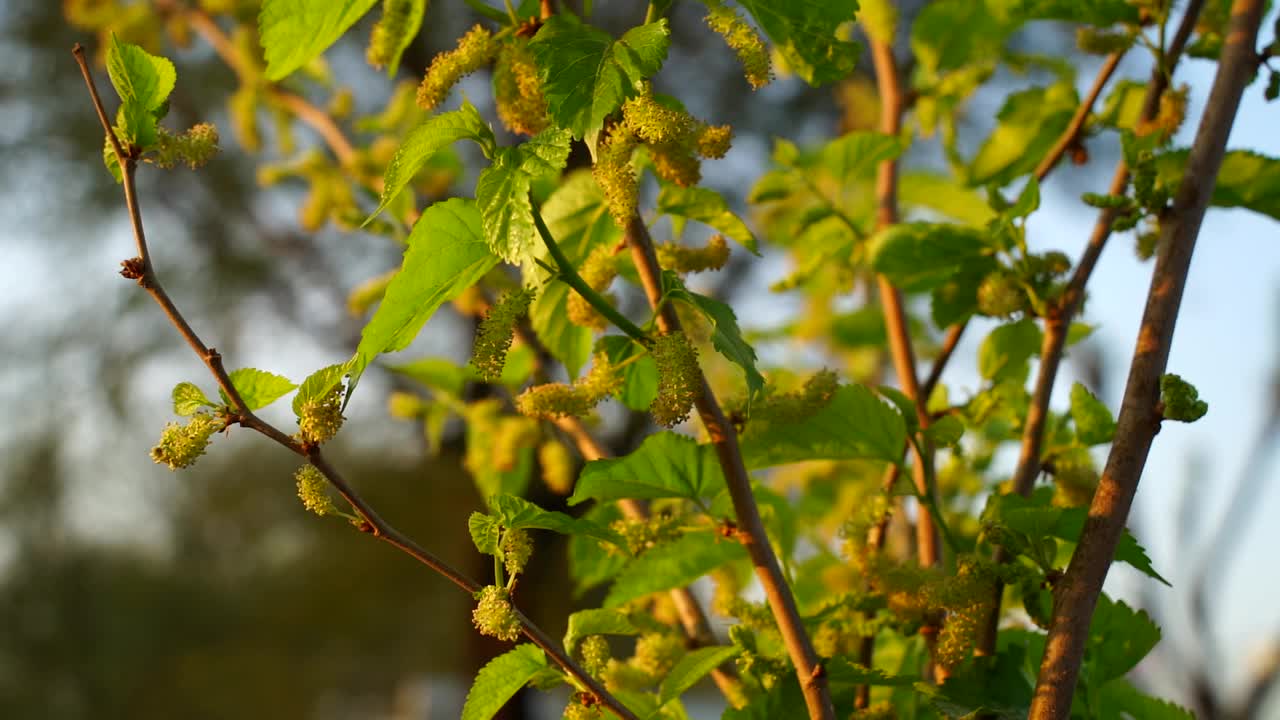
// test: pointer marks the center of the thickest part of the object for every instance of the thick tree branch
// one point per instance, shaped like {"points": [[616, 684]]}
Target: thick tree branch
{"points": [[1077, 593], [141, 269], [1058, 321], [751, 532]]}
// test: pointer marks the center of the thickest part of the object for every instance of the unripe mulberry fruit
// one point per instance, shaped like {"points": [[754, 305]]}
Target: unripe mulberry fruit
{"points": [[679, 378], [494, 615], [181, 445], [319, 420], [999, 295]]}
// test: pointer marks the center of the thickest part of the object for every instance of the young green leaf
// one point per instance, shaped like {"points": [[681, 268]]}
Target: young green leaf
{"points": [[1006, 351], [666, 465], [1119, 637], [693, 667], [188, 399], [258, 388], [806, 34], [726, 337], [946, 431], [294, 32], [707, 207], [486, 531], [1181, 400], [1100, 13], [1029, 124], [1247, 179], [500, 679], [587, 75], [597, 621], [517, 513], [318, 384], [673, 565], [923, 256], [1094, 423], [854, 424], [447, 254], [502, 194], [143, 82], [422, 142], [1120, 699], [939, 48], [857, 154]]}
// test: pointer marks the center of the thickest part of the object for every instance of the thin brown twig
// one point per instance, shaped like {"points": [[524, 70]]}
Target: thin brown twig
{"points": [[751, 532], [1060, 316], [374, 524], [1076, 595], [1071, 136]]}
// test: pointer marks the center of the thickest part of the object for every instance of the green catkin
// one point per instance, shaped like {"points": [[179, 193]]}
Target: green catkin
{"points": [[475, 50], [513, 435], [516, 547], [999, 294], [657, 653], [795, 406], [553, 400], [676, 163], [745, 41], [495, 333], [595, 654], [193, 148], [557, 467], [713, 141], [615, 176], [517, 89], [181, 445], [319, 420], [598, 271], [679, 378], [494, 616], [313, 491], [683, 259], [655, 123]]}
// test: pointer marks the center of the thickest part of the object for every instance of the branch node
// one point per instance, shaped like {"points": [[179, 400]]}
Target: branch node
{"points": [[135, 268]]}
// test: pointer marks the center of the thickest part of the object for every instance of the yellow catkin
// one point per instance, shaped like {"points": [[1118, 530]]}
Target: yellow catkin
{"points": [[475, 50], [683, 259], [679, 379], [517, 89], [745, 41], [615, 176]]}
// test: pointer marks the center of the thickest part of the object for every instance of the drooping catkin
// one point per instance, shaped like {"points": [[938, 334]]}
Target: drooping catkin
{"points": [[475, 50]]}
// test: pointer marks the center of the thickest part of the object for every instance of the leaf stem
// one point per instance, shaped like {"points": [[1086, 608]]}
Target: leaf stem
{"points": [[570, 276], [1076, 595], [142, 270]]}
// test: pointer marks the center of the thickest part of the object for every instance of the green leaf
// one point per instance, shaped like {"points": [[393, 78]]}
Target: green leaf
{"points": [[854, 424], [440, 374], [188, 399], [1100, 13], [423, 141], [1120, 700], [403, 31], [590, 563], [500, 679], [517, 513], [946, 430], [579, 220], [666, 465], [1247, 179], [726, 337], [1029, 124], [940, 48], [294, 32], [502, 194], [924, 256], [1094, 423], [1119, 637], [446, 255], [639, 377], [486, 532], [1123, 106], [806, 33], [587, 75], [946, 196], [597, 621], [672, 565], [693, 667], [318, 384], [258, 388], [143, 82], [1005, 353], [985, 687], [707, 207], [857, 154]]}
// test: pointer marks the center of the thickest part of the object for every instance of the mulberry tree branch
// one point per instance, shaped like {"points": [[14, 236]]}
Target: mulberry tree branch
{"points": [[1076, 595], [751, 532], [142, 270]]}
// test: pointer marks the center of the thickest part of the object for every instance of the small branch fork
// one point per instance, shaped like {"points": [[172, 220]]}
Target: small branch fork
{"points": [[1077, 593], [1063, 312], [141, 269]]}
